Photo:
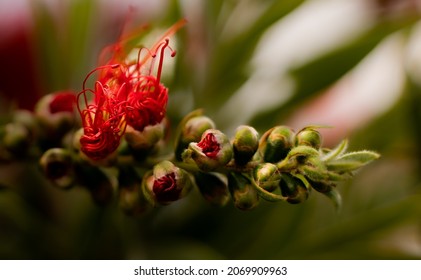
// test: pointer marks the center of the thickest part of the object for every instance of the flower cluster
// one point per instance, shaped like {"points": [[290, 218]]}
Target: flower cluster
{"points": [[119, 147], [126, 93]]}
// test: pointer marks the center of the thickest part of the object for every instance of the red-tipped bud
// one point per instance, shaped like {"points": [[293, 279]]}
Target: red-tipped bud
{"points": [[55, 113], [168, 183], [213, 150]]}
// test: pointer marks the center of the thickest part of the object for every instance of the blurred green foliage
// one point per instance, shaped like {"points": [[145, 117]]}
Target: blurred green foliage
{"points": [[382, 210]]}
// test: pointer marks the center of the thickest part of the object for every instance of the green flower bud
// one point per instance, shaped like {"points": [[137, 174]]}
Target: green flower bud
{"points": [[276, 143], [16, 139], [57, 165], [192, 131], [142, 143], [243, 193], [298, 157], [245, 144], [213, 150], [28, 120], [267, 176], [213, 187], [131, 199], [168, 183], [294, 189], [55, 114], [308, 137]]}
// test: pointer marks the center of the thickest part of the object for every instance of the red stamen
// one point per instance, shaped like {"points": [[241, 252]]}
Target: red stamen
{"points": [[165, 188], [209, 145]]}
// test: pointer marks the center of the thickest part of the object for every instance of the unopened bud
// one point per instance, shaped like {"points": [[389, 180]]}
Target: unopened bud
{"points": [[276, 143], [192, 131], [214, 150], [55, 113], [57, 165], [267, 176], [294, 189], [309, 137], [142, 143], [16, 139], [245, 144], [168, 183], [28, 120], [213, 187], [243, 193]]}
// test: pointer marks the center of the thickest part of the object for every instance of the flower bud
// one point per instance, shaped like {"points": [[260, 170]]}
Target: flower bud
{"points": [[55, 113], [142, 143], [267, 176], [294, 189], [16, 139], [213, 187], [168, 183], [276, 143], [213, 150], [245, 144], [57, 165], [28, 120], [243, 193], [192, 131], [308, 137]]}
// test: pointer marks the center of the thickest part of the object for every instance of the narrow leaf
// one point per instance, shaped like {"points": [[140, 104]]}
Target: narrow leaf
{"points": [[352, 161], [336, 152]]}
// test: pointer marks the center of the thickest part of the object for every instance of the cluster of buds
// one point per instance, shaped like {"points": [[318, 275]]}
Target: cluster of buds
{"points": [[114, 148]]}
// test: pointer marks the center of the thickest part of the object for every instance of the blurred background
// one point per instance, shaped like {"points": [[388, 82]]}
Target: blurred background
{"points": [[353, 65]]}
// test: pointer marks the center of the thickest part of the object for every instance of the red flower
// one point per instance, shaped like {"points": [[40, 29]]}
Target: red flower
{"points": [[126, 93], [103, 122]]}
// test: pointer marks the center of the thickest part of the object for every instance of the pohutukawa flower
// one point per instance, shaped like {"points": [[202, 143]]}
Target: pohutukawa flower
{"points": [[103, 122], [126, 93], [213, 150], [147, 98]]}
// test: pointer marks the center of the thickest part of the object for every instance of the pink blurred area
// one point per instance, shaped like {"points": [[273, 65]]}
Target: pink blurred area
{"points": [[18, 75], [21, 81]]}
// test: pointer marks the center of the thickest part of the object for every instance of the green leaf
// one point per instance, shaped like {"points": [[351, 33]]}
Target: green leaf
{"points": [[338, 151], [352, 161]]}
